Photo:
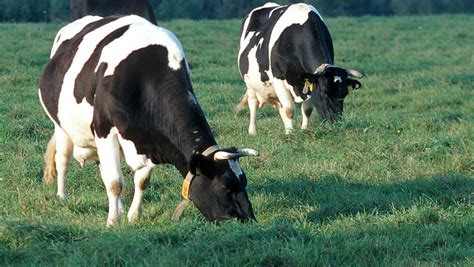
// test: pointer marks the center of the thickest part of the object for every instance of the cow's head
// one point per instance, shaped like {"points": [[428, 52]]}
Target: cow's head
{"points": [[328, 87], [218, 184]]}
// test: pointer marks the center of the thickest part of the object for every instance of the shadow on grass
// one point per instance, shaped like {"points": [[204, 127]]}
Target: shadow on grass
{"points": [[280, 242], [334, 196]]}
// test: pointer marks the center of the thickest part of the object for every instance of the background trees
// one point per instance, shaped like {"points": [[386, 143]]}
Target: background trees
{"points": [[54, 10]]}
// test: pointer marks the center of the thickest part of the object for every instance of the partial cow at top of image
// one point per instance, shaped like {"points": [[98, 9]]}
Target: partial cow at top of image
{"points": [[81, 8]]}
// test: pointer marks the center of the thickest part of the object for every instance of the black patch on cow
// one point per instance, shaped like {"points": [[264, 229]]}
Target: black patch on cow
{"points": [[150, 105], [53, 75], [81, 8], [85, 84]]}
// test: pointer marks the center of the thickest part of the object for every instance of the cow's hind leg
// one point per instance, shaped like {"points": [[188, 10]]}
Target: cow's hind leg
{"points": [[62, 158], [109, 155], [253, 106], [306, 110], [141, 180], [50, 161]]}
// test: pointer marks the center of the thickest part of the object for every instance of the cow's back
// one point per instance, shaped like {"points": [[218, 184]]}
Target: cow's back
{"points": [[93, 57]]}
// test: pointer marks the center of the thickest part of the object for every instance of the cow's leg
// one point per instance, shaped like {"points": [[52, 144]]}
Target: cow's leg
{"points": [[287, 107], [253, 106], [62, 158], [108, 150], [141, 180], [306, 110]]}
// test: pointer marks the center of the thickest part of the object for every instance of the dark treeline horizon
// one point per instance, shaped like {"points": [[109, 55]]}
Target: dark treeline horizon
{"points": [[58, 10]]}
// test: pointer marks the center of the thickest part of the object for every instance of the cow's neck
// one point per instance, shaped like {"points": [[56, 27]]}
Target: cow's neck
{"points": [[184, 130], [196, 140]]}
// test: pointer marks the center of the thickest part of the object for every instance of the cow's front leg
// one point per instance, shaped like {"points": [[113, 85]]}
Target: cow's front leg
{"points": [[141, 180], [287, 107], [306, 110], [109, 156], [62, 158]]}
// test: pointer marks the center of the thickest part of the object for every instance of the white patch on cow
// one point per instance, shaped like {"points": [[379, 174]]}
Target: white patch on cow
{"points": [[143, 34], [71, 30], [253, 78], [244, 42], [269, 4], [235, 167], [337, 79]]}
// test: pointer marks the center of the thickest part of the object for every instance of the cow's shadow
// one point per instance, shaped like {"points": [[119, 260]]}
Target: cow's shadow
{"points": [[331, 196]]}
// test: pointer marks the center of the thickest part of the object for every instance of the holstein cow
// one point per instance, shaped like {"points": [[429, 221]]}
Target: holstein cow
{"points": [[121, 85], [286, 56], [81, 8]]}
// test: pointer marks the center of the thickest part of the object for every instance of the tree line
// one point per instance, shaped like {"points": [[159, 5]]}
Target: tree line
{"points": [[58, 10]]}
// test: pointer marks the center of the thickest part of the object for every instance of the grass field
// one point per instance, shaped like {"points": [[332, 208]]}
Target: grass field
{"points": [[390, 184]]}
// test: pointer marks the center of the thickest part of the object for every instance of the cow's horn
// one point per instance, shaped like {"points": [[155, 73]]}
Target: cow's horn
{"points": [[223, 155], [322, 68], [248, 152], [245, 152], [354, 73], [179, 210]]}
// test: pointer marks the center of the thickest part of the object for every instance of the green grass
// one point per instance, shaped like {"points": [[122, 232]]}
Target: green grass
{"points": [[390, 184]]}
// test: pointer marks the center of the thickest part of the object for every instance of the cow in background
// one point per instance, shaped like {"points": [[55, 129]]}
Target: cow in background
{"points": [[286, 55], [81, 8]]}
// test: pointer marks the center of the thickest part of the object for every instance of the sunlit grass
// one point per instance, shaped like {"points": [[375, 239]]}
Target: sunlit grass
{"points": [[391, 183]]}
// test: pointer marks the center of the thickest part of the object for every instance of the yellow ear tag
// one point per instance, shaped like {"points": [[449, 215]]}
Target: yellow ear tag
{"points": [[185, 189], [186, 185], [307, 86]]}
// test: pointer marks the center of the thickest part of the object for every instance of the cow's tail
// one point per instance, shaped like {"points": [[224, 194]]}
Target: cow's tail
{"points": [[50, 162], [242, 103]]}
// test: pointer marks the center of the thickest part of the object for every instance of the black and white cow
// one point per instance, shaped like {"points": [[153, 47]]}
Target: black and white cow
{"points": [[286, 56], [81, 8], [121, 85]]}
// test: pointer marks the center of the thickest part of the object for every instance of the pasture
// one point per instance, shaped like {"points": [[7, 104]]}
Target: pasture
{"points": [[390, 184]]}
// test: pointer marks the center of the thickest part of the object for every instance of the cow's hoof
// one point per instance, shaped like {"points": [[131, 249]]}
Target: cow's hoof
{"points": [[133, 218], [112, 223], [62, 196]]}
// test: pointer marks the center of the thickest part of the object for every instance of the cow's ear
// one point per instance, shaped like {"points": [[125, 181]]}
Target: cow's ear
{"points": [[312, 78], [195, 163], [355, 84]]}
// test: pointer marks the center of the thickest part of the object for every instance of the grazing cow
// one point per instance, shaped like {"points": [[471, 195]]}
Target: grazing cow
{"points": [[121, 85], [81, 8], [286, 56]]}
